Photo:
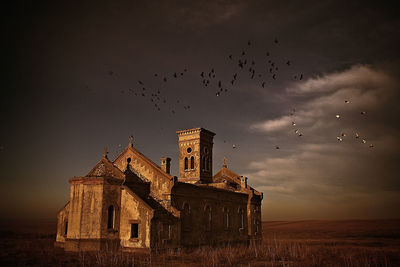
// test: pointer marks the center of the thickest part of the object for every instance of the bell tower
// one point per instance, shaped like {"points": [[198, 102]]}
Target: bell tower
{"points": [[195, 155]]}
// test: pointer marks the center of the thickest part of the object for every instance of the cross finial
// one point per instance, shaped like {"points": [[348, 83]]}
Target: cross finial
{"points": [[224, 165], [131, 141], [105, 152]]}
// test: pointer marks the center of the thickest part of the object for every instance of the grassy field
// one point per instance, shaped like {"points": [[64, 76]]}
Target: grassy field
{"points": [[285, 243]]}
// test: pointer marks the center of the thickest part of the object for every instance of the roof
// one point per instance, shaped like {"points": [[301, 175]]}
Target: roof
{"points": [[152, 203], [142, 157], [105, 168], [226, 173], [227, 176]]}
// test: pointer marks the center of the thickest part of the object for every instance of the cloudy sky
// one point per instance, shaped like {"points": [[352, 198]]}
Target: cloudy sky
{"points": [[71, 75]]}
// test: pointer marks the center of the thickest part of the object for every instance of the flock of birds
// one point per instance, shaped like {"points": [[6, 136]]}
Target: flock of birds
{"points": [[261, 70], [356, 134], [246, 67], [340, 138]]}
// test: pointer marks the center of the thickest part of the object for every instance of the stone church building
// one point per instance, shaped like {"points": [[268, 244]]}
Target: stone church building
{"points": [[133, 203]]}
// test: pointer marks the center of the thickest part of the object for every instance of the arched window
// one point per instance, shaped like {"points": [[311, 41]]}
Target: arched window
{"points": [[206, 163], [241, 219], [111, 217], [186, 219], [66, 228], [186, 164], [226, 218], [208, 218], [192, 163], [203, 163], [257, 226]]}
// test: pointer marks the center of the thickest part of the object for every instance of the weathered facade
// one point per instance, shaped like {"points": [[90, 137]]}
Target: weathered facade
{"points": [[132, 203]]}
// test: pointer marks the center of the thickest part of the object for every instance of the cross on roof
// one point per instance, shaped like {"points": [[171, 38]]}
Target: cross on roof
{"points": [[131, 140]]}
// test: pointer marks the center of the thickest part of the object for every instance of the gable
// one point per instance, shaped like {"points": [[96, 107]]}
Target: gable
{"points": [[161, 182], [105, 168], [228, 175]]}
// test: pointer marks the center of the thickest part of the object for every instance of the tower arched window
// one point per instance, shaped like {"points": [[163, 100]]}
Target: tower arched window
{"points": [[192, 162], [186, 163], [110, 217], [206, 163], [203, 163]]}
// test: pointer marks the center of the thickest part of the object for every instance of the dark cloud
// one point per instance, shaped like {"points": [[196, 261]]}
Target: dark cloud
{"points": [[317, 166], [61, 105]]}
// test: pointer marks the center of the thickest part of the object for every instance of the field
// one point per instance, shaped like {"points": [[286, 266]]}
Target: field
{"points": [[286, 243]]}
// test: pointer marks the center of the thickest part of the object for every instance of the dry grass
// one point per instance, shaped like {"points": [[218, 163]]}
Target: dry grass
{"points": [[300, 243]]}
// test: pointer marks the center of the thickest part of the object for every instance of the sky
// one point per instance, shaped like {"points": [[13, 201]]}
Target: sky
{"points": [[73, 75]]}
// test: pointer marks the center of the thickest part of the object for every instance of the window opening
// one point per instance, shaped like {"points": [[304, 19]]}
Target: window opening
{"points": [[134, 230], [111, 217]]}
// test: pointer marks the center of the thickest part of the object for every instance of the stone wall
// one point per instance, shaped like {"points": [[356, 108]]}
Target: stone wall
{"points": [[195, 202], [62, 219], [134, 210]]}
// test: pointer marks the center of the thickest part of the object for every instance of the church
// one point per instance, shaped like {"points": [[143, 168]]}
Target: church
{"points": [[133, 203]]}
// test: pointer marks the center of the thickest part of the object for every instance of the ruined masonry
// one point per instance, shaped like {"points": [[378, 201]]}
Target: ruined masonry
{"points": [[132, 203]]}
